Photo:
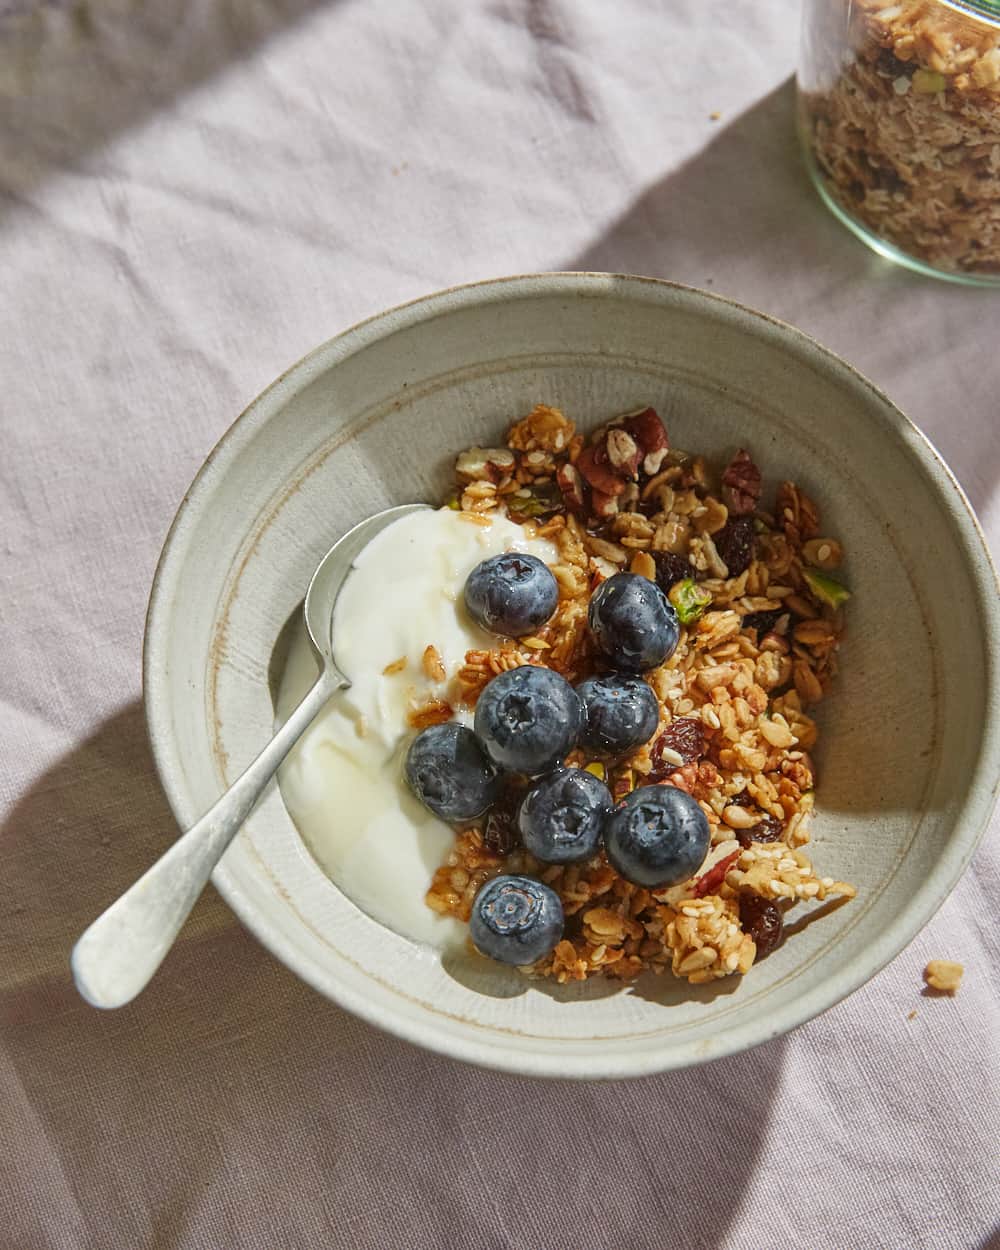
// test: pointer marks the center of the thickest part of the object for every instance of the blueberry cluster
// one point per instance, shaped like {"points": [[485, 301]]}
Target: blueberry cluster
{"points": [[527, 721]]}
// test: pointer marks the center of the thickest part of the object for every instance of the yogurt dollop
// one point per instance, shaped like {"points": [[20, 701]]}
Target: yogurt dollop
{"points": [[343, 783]]}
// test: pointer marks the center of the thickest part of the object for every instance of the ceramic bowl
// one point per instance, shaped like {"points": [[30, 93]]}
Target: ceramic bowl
{"points": [[909, 754]]}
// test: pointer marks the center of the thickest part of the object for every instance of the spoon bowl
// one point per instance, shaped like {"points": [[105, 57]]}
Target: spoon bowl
{"points": [[118, 954]]}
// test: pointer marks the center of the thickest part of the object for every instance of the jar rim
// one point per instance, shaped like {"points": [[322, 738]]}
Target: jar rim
{"points": [[988, 9]]}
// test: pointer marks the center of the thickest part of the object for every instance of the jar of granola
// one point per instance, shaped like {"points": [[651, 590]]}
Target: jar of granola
{"points": [[899, 112]]}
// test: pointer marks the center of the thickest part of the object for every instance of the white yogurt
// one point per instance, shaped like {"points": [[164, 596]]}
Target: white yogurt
{"points": [[343, 784]]}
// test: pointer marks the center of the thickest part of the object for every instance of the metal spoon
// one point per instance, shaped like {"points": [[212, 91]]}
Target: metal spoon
{"points": [[116, 957]]}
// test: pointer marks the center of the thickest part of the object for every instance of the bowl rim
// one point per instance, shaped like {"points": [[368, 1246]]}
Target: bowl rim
{"points": [[906, 924]]}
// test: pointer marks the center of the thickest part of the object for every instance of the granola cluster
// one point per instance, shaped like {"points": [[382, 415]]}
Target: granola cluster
{"points": [[904, 125], [761, 622]]}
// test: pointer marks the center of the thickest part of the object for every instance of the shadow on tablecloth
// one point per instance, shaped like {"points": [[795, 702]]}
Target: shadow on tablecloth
{"points": [[231, 1105], [75, 75], [741, 218]]}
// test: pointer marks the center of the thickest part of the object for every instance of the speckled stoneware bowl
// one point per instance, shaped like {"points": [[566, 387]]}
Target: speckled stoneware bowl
{"points": [[909, 756]]}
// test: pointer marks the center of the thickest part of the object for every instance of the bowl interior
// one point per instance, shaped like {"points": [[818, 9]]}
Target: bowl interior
{"points": [[375, 418]]}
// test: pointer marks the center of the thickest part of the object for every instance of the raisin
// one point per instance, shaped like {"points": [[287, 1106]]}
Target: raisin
{"points": [[500, 831], [670, 568], [686, 736], [762, 622], [734, 544], [761, 920], [769, 829], [888, 66]]}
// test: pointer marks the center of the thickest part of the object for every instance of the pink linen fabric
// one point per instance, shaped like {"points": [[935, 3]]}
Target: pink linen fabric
{"points": [[192, 194]]}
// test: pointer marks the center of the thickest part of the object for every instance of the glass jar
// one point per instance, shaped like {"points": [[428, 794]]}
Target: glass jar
{"points": [[899, 113]]}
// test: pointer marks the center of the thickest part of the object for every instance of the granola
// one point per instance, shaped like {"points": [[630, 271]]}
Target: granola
{"points": [[758, 650], [903, 125]]}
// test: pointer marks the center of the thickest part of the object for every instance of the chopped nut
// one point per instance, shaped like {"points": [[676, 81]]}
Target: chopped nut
{"points": [[648, 431], [594, 465], [608, 551], [943, 975], [806, 683], [777, 732], [604, 506], [824, 553], [705, 557], [644, 565], [986, 71], [716, 675], [741, 484], [701, 958], [672, 536], [570, 482], [800, 606], [623, 453], [484, 464], [711, 518], [813, 633], [737, 817]]}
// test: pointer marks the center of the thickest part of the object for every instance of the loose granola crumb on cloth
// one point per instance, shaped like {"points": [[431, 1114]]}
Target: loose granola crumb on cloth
{"points": [[943, 975], [758, 651]]}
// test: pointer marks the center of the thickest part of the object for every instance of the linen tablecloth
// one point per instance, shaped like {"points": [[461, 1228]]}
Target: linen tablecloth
{"points": [[191, 196]]}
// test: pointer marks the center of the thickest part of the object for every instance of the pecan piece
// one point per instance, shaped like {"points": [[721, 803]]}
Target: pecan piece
{"points": [[741, 485], [649, 433], [570, 482], [711, 880], [595, 467], [602, 505], [623, 453]]}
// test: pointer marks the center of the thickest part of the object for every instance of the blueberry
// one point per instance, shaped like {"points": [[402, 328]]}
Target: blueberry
{"points": [[517, 920], [527, 719], [633, 622], [511, 594], [620, 713], [657, 836], [448, 772], [562, 818]]}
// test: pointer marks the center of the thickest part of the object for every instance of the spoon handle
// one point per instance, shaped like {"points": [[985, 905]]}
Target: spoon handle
{"points": [[115, 958]]}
